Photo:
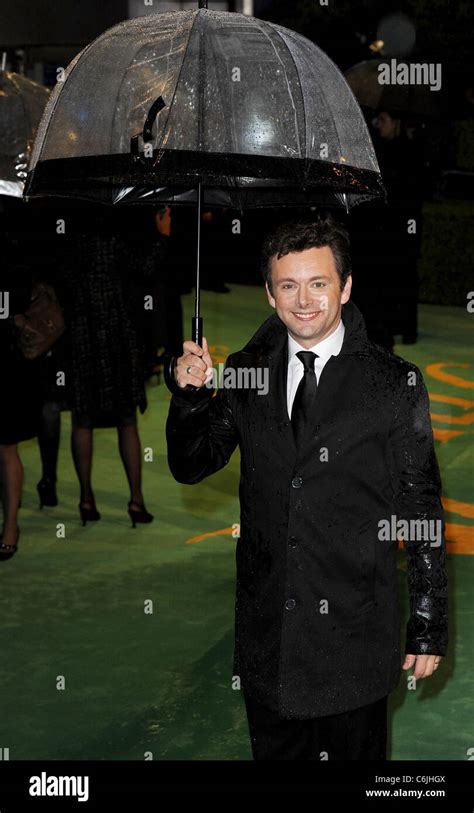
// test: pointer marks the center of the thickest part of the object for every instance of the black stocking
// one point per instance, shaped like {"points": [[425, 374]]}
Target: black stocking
{"points": [[81, 446], [48, 439], [130, 452]]}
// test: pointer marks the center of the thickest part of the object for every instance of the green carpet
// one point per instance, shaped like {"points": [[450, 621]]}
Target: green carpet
{"points": [[158, 683]]}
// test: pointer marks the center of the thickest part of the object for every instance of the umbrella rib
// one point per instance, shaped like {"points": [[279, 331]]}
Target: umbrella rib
{"points": [[170, 106], [325, 58], [229, 123], [142, 101], [262, 29], [151, 96], [28, 129]]}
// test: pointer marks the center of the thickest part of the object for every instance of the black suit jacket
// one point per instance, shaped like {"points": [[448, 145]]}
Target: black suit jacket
{"points": [[317, 626]]}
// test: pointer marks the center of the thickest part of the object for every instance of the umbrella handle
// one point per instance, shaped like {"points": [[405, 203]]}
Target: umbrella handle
{"points": [[196, 329], [170, 380]]}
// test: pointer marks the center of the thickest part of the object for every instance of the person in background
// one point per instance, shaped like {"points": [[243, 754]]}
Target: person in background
{"points": [[106, 356], [386, 240], [20, 402], [54, 401]]}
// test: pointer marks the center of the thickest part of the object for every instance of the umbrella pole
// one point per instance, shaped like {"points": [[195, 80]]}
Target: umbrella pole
{"points": [[196, 322], [196, 327]]}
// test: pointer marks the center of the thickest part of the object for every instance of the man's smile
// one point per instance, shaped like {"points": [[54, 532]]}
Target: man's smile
{"points": [[305, 317]]}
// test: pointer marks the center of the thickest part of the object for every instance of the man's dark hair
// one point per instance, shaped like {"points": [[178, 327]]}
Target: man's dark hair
{"points": [[323, 230]]}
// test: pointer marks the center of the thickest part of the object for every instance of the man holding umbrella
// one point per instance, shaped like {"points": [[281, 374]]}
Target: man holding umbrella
{"points": [[337, 451], [221, 109]]}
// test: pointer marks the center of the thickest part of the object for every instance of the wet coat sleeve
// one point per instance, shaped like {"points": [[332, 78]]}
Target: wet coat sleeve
{"points": [[200, 432], [418, 497]]}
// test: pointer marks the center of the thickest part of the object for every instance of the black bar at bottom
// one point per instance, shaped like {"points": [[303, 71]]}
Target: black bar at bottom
{"points": [[60, 785]]}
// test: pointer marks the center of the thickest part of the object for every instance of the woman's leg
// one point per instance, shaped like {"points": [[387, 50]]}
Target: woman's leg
{"points": [[81, 446], [130, 452], [11, 477], [48, 439]]}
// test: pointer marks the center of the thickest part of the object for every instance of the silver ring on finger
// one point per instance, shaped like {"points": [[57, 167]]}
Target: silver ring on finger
{"points": [[188, 370]]}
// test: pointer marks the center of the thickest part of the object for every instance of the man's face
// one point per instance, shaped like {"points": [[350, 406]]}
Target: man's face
{"points": [[307, 294], [388, 128]]}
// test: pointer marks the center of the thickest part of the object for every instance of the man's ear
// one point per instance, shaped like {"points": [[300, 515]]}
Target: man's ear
{"points": [[346, 291], [271, 298]]}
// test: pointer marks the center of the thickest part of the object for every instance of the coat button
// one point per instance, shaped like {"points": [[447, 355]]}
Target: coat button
{"points": [[290, 604], [292, 542], [297, 482]]}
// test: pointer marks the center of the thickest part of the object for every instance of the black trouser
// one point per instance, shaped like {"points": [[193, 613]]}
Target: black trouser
{"points": [[359, 734]]}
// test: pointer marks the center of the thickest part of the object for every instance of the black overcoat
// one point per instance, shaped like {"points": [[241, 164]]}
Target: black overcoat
{"points": [[317, 625]]}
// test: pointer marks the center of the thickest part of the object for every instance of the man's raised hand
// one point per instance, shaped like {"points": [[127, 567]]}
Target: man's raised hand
{"points": [[195, 365]]}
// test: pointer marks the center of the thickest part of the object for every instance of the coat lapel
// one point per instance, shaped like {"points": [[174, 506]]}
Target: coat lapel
{"points": [[277, 398]]}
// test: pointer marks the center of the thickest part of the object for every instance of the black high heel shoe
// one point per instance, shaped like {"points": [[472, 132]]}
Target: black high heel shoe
{"points": [[140, 516], [46, 489], [7, 551], [88, 514]]}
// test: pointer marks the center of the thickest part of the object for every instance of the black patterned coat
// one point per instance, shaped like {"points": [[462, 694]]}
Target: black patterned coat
{"points": [[317, 624]]}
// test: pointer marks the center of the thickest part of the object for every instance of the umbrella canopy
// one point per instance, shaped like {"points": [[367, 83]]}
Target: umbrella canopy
{"points": [[409, 100], [22, 103], [253, 112]]}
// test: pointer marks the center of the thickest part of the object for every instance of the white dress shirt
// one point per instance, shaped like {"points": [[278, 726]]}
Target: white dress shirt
{"points": [[330, 346]]}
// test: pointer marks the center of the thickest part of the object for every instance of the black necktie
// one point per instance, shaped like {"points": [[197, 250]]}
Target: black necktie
{"points": [[305, 395]]}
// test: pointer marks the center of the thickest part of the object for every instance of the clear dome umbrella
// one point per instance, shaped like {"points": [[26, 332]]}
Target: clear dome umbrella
{"points": [[21, 105], [204, 107]]}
